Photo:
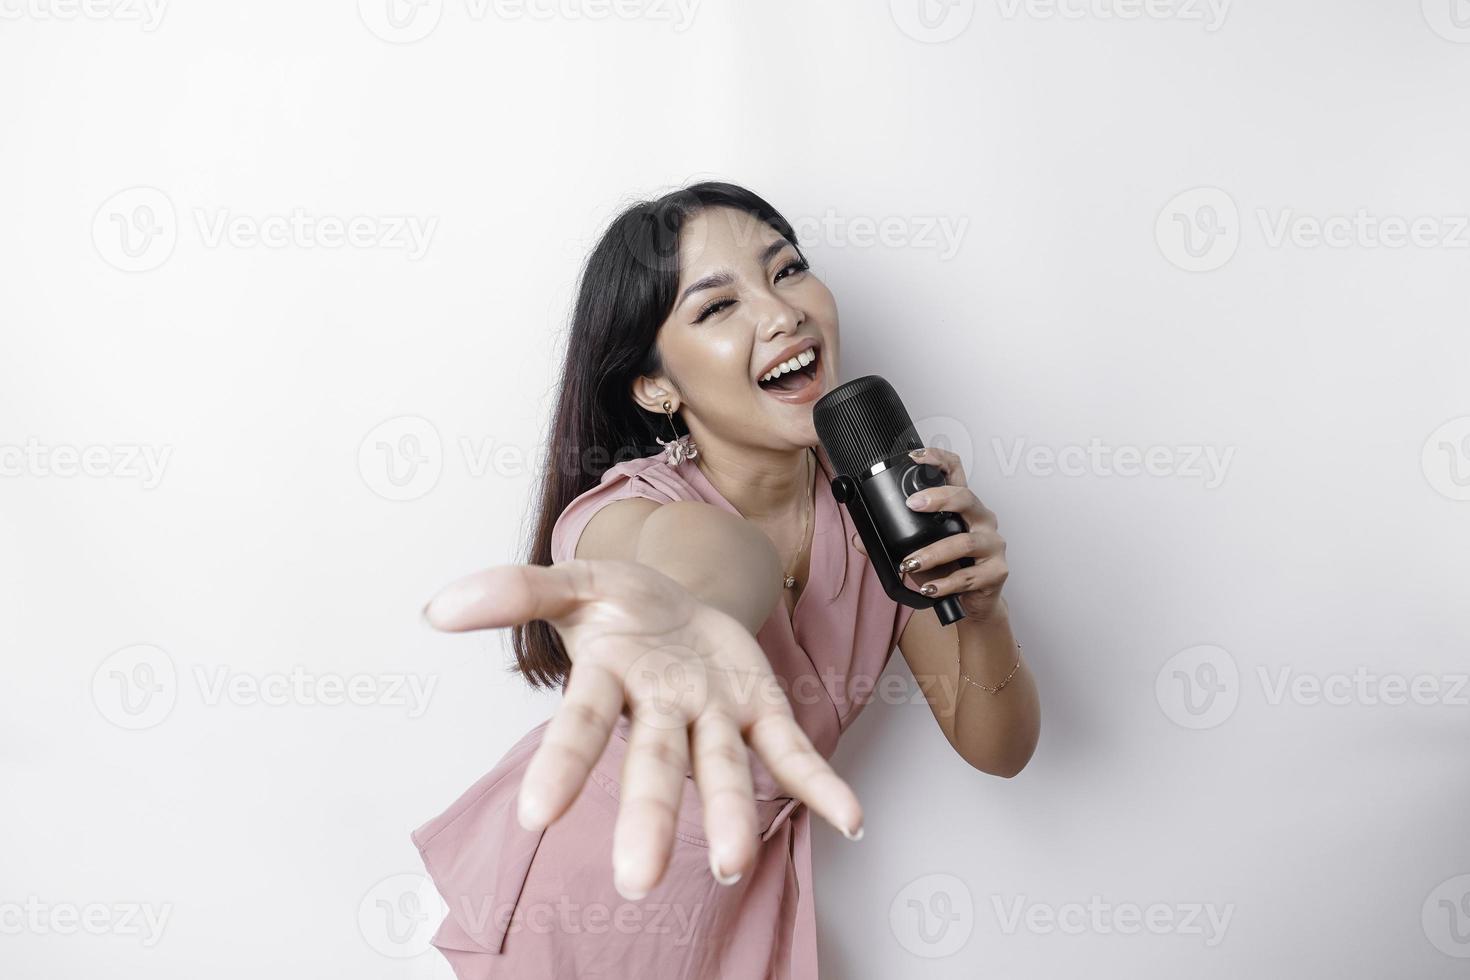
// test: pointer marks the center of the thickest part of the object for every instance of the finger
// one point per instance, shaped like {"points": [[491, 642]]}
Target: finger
{"points": [[570, 746], [857, 543], [950, 463], [722, 773], [955, 500], [979, 543], [652, 785], [801, 770], [985, 578], [508, 595]]}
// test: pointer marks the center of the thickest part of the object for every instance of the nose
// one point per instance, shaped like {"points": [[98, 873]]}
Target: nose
{"points": [[778, 317]]}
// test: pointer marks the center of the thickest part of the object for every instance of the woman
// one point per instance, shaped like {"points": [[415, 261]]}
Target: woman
{"points": [[711, 620]]}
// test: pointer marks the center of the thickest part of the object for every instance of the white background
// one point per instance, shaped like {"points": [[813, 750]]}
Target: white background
{"points": [[1160, 612]]}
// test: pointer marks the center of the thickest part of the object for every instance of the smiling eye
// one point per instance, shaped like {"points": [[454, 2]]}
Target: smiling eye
{"points": [[710, 309], [792, 268]]}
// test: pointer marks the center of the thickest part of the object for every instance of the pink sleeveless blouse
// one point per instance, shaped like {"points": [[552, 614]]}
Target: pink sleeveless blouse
{"points": [[533, 905]]}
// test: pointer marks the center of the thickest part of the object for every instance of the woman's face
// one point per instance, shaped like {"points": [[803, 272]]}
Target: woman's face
{"points": [[746, 305]]}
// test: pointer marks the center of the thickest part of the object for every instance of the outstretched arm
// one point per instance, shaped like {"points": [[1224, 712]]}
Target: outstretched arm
{"points": [[669, 634]]}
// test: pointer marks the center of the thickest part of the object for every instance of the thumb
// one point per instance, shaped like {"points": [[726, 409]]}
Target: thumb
{"points": [[506, 595], [857, 543]]}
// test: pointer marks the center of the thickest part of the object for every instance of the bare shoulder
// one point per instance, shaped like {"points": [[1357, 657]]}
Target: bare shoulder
{"points": [[613, 531], [721, 558]]}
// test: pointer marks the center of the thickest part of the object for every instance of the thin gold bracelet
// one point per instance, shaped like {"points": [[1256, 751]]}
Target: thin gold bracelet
{"points": [[997, 688]]}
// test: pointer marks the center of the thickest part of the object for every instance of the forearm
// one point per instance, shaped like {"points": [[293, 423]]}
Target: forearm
{"points": [[996, 733], [721, 559]]}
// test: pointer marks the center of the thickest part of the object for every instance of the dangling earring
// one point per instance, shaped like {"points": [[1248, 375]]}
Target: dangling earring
{"points": [[679, 448]]}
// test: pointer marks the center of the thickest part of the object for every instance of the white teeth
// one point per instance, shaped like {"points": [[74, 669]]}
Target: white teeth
{"points": [[794, 364]]}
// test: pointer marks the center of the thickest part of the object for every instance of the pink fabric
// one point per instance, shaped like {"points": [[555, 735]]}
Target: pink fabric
{"points": [[542, 905]]}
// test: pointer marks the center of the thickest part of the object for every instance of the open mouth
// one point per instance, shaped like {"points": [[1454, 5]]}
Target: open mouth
{"points": [[793, 375]]}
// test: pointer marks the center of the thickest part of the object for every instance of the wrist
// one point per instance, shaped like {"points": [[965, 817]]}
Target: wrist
{"points": [[994, 630]]}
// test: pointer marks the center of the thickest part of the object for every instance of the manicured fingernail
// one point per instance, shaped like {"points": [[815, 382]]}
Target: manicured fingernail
{"points": [[929, 588], [424, 615], [909, 565], [916, 453], [918, 500], [714, 867], [853, 836]]}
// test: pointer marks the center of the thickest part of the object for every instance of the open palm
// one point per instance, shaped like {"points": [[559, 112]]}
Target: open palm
{"points": [[696, 686]]}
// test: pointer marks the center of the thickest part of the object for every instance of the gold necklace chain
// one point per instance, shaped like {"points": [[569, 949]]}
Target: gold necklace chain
{"points": [[789, 580]]}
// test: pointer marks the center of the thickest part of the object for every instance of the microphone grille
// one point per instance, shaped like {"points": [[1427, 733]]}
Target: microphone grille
{"points": [[862, 423]]}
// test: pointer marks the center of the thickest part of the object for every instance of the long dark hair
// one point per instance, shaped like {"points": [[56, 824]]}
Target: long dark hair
{"points": [[627, 290]]}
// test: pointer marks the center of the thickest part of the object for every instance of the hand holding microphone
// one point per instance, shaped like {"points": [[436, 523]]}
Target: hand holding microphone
{"points": [[913, 509]]}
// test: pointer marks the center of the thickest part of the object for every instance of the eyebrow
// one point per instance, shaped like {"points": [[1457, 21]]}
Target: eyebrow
{"points": [[724, 278]]}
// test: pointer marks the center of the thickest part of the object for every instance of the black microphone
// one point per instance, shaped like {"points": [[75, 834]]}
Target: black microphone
{"points": [[868, 434]]}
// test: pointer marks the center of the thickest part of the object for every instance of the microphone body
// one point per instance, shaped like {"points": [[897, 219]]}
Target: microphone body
{"points": [[868, 434]]}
